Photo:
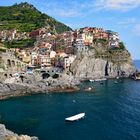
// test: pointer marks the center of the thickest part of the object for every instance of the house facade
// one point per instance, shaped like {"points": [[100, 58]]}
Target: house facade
{"points": [[113, 39], [100, 33]]}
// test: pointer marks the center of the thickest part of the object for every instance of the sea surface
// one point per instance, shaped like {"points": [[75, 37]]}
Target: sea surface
{"points": [[137, 64], [112, 113]]}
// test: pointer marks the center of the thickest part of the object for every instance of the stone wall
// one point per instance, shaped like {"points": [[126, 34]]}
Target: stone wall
{"points": [[9, 64]]}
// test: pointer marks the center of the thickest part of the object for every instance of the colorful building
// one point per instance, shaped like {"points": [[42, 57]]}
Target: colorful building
{"points": [[99, 33], [68, 38], [87, 36], [113, 39]]}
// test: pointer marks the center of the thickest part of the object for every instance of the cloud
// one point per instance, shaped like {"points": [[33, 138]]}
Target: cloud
{"points": [[123, 5], [80, 8], [67, 9], [137, 29], [127, 22], [132, 24], [64, 9], [76, 8]]}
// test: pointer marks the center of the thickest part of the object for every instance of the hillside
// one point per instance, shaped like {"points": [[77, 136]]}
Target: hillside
{"points": [[26, 17]]}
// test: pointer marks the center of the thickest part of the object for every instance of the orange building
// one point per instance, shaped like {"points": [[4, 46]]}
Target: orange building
{"points": [[99, 33]]}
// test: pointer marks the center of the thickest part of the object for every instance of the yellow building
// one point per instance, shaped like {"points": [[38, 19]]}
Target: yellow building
{"points": [[26, 59]]}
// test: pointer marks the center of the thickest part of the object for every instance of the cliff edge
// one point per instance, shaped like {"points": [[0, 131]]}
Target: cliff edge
{"points": [[110, 64]]}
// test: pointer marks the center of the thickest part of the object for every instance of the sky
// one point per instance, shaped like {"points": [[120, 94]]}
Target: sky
{"points": [[122, 16]]}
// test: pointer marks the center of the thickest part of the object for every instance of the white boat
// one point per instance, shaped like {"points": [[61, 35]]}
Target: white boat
{"points": [[75, 117], [91, 80], [103, 79], [88, 89], [117, 77]]}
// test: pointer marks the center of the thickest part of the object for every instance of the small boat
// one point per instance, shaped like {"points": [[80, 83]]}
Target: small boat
{"points": [[102, 79], [117, 77], [88, 89], [91, 80], [75, 117]]}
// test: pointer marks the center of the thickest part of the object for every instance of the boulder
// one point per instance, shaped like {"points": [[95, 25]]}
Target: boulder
{"points": [[8, 135]]}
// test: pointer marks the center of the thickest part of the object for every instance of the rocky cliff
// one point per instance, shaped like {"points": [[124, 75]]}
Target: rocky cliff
{"points": [[8, 135], [110, 64], [34, 84]]}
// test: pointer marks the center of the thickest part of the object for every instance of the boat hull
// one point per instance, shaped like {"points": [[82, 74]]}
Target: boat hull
{"points": [[75, 117]]}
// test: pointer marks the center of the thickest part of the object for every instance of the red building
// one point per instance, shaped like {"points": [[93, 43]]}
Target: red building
{"points": [[37, 32], [99, 33]]}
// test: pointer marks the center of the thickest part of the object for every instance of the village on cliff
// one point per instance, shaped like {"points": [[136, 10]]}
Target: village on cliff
{"points": [[54, 52]]}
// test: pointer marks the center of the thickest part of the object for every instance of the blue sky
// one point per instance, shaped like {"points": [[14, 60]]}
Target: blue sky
{"points": [[122, 16]]}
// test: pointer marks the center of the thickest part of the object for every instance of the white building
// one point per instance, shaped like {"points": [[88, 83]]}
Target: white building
{"points": [[69, 60], [33, 58], [14, 34], [114, 39], [45, 61], [52, 54]]}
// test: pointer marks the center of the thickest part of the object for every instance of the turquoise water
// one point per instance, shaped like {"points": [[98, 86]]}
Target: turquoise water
{"points": [[112, 113], [137, 64]]}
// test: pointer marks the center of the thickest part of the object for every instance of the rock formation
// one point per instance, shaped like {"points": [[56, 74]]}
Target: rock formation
{"points": [[90, 65], [33, 84], [9, 135]]}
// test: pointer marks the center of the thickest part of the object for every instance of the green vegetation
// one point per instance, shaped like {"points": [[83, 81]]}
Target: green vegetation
{"points": [[2, 50], [121, 45], [114, 55], [102, 41], [20, 43], [26, 17]]}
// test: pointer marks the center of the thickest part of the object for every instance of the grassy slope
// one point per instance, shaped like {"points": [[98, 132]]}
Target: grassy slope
{"points": [[26, 18]]}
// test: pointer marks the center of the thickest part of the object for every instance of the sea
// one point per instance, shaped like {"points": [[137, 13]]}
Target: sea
{"points": [[112, 113], [137, 64]]}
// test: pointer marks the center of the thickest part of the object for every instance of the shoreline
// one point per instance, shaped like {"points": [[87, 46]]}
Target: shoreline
{"points": [[19, 90], [34, 91]]}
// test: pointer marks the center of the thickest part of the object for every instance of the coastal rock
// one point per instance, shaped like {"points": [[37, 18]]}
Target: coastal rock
{"points": [[32, 84], [9, 135], [2, 132], [88, 66]]}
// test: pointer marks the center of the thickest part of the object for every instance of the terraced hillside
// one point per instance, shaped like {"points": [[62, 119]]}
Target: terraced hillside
{"points": [[26, 17]]}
